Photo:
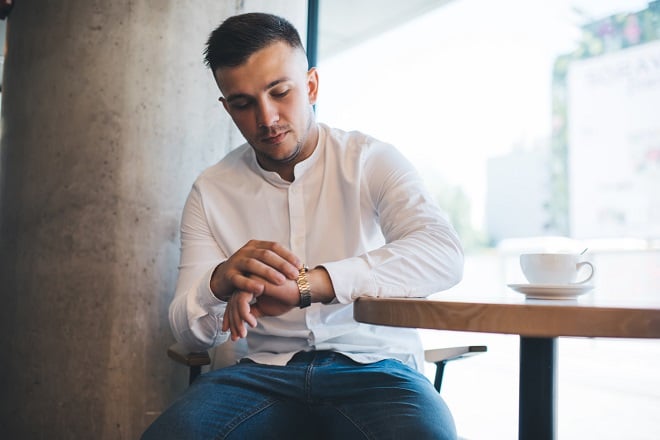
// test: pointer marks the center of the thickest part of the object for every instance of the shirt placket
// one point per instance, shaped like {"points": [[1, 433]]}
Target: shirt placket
{"points": [[298, 234], [297, 226]]}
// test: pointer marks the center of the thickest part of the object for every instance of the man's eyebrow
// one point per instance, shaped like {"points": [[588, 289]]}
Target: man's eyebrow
{"points": [[236, 96], [276, 82], [246, 96]]}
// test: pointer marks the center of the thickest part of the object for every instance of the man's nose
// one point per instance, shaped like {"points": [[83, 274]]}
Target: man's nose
{"points": [[267, 113]]}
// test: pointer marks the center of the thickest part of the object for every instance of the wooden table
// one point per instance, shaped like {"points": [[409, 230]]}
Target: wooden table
{"points": [[538, 322]]}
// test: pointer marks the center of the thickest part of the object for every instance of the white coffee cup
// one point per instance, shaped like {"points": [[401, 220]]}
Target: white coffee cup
{"points": [[554, 268]]}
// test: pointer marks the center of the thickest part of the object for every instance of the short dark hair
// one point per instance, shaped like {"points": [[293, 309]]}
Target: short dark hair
{"points": [[238, 37]]}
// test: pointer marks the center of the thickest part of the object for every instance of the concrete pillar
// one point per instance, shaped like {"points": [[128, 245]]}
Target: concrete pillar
{"points": [[108, 114]]}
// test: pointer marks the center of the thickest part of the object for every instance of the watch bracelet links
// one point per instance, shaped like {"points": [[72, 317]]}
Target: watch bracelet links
{"points": [[304, 288]]}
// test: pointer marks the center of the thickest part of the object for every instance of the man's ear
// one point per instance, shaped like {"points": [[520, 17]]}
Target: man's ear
{"points": [[224, 103], [216, 76], [312, 85]]}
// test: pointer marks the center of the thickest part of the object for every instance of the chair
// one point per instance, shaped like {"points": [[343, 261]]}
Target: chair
{"points": [[439, 357]]}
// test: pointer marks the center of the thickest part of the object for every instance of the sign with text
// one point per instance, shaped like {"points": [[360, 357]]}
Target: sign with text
{"points": [[614, 144]]}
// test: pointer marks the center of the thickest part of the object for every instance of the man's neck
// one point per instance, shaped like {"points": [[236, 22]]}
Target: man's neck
{"points": [[286, 171]]}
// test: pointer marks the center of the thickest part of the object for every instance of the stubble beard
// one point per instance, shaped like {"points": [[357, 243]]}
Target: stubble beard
{"points": [[299, 142]]}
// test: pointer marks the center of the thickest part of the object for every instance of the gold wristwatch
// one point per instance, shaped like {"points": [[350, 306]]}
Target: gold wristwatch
{"points": [[304, 288]]}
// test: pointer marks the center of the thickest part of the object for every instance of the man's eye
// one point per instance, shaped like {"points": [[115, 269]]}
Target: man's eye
{"points": [[240, 104], [280, 93]]}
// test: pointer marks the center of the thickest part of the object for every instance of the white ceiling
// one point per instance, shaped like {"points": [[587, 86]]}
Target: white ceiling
{"points": [[343, 23]]}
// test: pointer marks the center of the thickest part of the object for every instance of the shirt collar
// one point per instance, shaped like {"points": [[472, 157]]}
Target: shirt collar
{"points": [[300, 168]]}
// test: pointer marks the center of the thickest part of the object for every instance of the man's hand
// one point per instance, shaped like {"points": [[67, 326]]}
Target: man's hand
{"points": [[245, 307], [249, 268]]}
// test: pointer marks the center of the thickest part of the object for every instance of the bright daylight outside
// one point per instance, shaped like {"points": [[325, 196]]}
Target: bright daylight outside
{"points": [[537, 126]]}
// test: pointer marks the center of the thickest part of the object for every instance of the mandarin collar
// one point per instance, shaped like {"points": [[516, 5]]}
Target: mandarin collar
{"points": [[299, 169]]}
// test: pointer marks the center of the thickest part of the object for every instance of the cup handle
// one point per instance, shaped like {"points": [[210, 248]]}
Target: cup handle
{"points": [[591, 275]]}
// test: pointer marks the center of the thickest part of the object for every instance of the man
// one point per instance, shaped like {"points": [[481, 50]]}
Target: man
{"points": [[300, 193]]}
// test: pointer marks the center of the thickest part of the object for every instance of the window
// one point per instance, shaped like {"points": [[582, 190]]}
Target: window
{"points": [[482, 96], [536, 125]]}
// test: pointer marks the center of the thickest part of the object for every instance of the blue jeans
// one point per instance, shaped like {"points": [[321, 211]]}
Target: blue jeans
{"points": [[317, 395]]}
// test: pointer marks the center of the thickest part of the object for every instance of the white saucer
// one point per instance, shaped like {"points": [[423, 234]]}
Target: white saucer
{"points": [[551, 291]]}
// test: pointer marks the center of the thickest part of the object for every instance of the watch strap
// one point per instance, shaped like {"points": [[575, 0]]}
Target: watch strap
{"points": [[304, 288]]}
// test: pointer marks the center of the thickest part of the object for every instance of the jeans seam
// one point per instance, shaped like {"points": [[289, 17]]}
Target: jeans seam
{"points": [[308, 381], [357, 425], [244, 417]]}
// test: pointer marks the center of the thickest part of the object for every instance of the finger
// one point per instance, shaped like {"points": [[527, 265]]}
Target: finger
{"points": [[270, 266], [240, 314], [225, 320], [278, 257], [236, 323], [245, 314], [230, 318], [277, 248], [230, 315], [287, 255], [247, 284]]}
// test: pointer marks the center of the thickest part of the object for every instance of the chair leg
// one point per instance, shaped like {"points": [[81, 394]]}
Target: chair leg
{"points": [[195, 371], [439, 371]]}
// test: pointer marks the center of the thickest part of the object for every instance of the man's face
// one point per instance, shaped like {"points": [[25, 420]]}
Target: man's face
{"points": [[270, 98]]}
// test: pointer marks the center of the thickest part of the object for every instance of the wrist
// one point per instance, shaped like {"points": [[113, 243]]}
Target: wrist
{"points": [[321, 285], [224, 298], [216, 285]]}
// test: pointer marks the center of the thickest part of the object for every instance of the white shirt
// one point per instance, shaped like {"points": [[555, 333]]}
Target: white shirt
{"points": [[356, 207]]}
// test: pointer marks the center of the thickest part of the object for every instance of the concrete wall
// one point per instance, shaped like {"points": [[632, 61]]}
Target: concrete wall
{"points": [[108, 114]]}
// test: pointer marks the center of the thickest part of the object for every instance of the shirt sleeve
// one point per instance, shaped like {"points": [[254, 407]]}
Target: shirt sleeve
{"points": [[422, 252], [195, 313]]}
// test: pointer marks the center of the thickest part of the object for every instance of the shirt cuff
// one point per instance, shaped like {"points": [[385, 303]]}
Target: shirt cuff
{"points": [[205, 298], [351, 279]]}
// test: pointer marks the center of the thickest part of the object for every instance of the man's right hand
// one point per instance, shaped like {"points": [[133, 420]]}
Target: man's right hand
{"points": [[265, 259], [246, 307]]}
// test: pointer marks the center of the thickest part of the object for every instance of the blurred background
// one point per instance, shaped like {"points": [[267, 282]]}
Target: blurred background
{"points": [[536, 126]]}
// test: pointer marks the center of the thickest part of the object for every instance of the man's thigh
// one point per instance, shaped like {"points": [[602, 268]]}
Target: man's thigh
{"points": [[235, 403], [322, 393], [384, 400]]}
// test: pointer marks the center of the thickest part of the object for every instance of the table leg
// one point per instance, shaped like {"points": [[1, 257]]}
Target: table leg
{"points": [[537, 389]]}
